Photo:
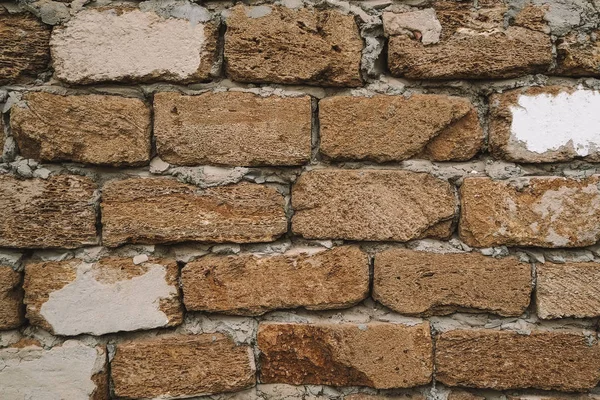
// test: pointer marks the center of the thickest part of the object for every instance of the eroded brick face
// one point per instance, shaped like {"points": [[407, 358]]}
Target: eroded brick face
{"points": [[11, 298]]}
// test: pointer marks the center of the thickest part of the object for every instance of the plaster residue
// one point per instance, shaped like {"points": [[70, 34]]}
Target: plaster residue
{"points": [[544, 122], [424, 21], [89, 305], [63, 372]]}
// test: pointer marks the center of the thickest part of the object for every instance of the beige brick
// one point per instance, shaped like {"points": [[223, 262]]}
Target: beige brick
{"points": [[114, 294], [393, 128], [94, 44], [369, 204], [11, 299], [275, 44], [153, 367], [25, 51], [578, 54], [508, 360], [544, 211], [158, 210], [56, 212], [379, 355], [416, 282], [253, 284], [232, 128], [91, 129], [463, 395]]}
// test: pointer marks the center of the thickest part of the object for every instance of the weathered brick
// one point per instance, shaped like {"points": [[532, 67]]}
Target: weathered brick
{"points": [[544, 211], [72, 370], [379, 355], [369, 204], [463, 395], [233, 128], [509, 360], [254, 284], [25, 51], [56, 212], [129, 44], [275, 44], [545, 124], [393, 128], [416, 282], [578, 54], [114, 294], [11, 299], [158, 210], [153, 367], [92, 129], [567, 290], [362, 396]]}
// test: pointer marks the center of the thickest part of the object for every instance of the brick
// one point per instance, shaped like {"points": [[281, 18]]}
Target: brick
{"points": [[379, 355], [578, 54], [92, 46], [158, 210], [509, 360], [234, 128], [394, 128], [114, 294], [406, 396], [153, 367], [11, 299], [567, 290], [545, 124], [91, 129], [72, 370], [542, 211], [25, 50], [416, 282], [369, 204], [274, 44], [463, 395], [253, 284], [56, 212]]}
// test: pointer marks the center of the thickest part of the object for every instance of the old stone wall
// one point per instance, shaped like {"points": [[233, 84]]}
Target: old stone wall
{"points": [[300, 199]]}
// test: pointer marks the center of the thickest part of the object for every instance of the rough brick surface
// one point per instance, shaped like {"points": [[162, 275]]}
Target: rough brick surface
{"points": [[11, 299], [489, 359], [57, 212], [92, 129], [127, 44], [578, 54], [393, 128], [25, 51], [154, 367], [232, 128], [415, 282], [378, 355], [280, 45], [545, 212], [253, 284], [114, 294], [157, 210], [369, 204], [362, 396]]}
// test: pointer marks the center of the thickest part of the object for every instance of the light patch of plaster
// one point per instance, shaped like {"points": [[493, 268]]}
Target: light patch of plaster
{"points": [[545, 122], [89, 306], [258, 11], [424, 21], [63, 372]]}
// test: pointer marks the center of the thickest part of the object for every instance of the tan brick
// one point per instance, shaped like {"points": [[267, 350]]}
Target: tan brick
{"points": [[11, 299], [578, 54], [544, 211], [369, 204], [232, 128], [153, 367], [509, 360], [416, 282], [379, 355], [56, 212], [94, 44], [463, 395], [114, 294], [567, 290], [393, 128], [91, 129], [25, 51], [254, 284], [158, 210], [275, 44]]}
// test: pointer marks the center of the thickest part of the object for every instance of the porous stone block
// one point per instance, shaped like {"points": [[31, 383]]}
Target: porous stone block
{"points": [[11, 298]]}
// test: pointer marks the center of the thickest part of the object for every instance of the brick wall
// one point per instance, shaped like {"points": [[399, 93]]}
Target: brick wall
{"points": [[299, 200]]}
